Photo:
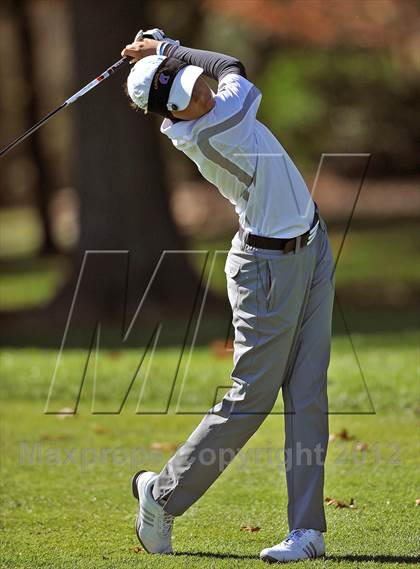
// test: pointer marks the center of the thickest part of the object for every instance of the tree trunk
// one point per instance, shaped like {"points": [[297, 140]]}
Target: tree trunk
{"points": [[120, 175], [44, 184]]}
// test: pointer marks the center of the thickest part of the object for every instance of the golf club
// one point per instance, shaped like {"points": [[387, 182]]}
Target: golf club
{"points": [[107, 73]]}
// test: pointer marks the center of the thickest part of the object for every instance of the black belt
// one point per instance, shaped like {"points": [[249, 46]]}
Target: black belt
{"points": [[286, 245]]}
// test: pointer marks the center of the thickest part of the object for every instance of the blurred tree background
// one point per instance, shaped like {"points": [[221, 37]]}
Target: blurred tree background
{"points": [[337, 77]]}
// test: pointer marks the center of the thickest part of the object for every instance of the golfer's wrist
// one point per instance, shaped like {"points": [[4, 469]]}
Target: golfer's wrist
{"points": [[160, 47]]}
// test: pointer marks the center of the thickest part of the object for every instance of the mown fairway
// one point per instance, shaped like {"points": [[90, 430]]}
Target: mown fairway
{"points": [[66, 482]]}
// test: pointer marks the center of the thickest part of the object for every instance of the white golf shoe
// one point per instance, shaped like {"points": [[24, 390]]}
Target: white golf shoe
{"points": [[299, 544], [153, 524]]}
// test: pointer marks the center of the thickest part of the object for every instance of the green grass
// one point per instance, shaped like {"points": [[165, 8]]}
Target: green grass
{"points": [[20, 232], [377, 264], [77, 512], [31, 282], [387, 255], [80, 514]]}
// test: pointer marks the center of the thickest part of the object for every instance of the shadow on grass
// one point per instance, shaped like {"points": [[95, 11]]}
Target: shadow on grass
{"points": [[213, 555], [405, 559], [46, 330], [374, 558]]}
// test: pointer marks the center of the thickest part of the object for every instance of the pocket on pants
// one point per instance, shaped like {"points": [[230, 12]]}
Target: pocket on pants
{"points": [[242, 277], [231, 268], [268, 279]]}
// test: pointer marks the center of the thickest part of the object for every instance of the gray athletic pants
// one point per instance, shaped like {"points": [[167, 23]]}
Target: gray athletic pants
{"points": [[282, 308]]}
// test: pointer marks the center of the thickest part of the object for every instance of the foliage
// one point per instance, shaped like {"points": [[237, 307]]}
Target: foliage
{"points": [[343, 101]]}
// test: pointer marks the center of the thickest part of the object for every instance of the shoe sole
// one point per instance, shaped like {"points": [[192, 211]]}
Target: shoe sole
{"points": [[135, 491], [268, 559]]}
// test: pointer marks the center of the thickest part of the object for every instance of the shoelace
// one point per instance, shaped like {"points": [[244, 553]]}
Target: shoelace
{"points": [[165, 524], [294, 535]]}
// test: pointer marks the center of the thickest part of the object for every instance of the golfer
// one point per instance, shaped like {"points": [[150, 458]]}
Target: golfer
{"points": [[279, 278]]}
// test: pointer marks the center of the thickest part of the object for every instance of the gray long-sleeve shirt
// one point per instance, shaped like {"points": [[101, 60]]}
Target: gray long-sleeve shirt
{"points": [[215, 65]]}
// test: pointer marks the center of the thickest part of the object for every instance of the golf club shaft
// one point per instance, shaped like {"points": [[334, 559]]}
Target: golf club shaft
{"points": [[110, 71]]}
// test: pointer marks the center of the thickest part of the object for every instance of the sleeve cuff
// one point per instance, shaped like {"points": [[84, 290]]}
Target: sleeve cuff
{"points": [[160, 48]]}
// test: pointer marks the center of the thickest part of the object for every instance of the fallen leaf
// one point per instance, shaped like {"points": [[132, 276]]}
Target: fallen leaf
{"points": [[66, 413], [342, 435], [362, 447], [250, 528], [47, 437], [164, 447], [138, 549], [418, 502], [222, 349], [100, 430], [340, 503]]}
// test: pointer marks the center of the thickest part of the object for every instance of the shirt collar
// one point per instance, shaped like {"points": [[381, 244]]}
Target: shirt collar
{"points": [[179, 129]]}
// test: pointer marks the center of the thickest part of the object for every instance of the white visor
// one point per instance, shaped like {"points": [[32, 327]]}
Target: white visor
{"points": [[141, 77], [182, 87]]}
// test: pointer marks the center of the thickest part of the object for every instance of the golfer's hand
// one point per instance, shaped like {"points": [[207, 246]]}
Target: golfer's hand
{"points": [[140, 49]]}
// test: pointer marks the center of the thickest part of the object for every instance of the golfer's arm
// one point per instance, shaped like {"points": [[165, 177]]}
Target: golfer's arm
{"points": [[215, 65]]}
